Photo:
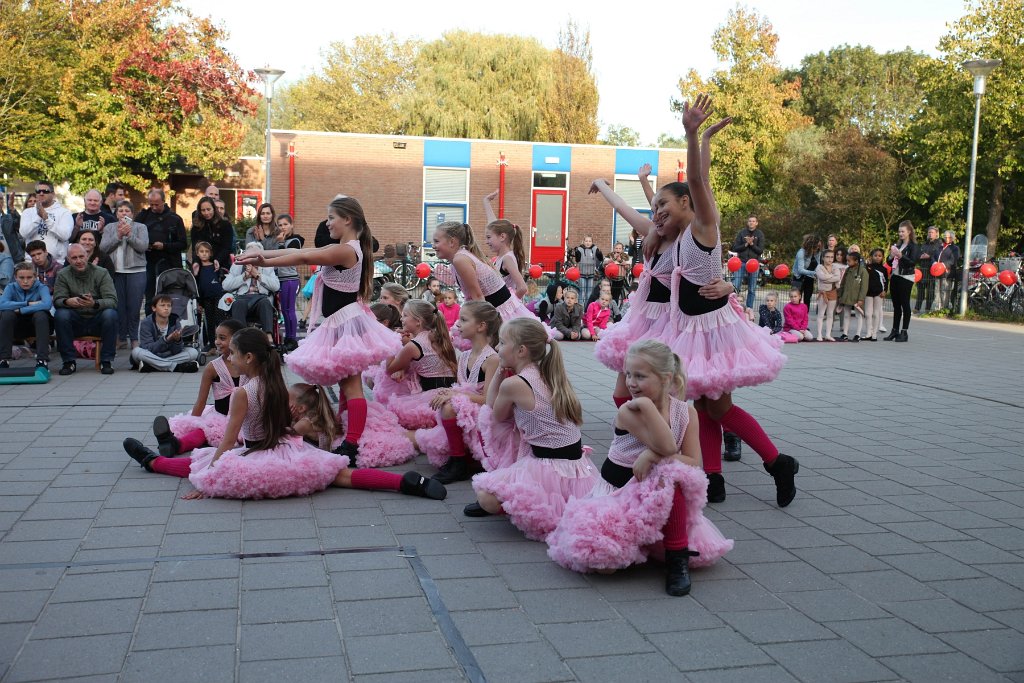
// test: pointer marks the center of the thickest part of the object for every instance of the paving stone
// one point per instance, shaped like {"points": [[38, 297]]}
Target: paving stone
{"points": [[710, 649], [190, 524], [49, 530], [652, 667], [886, 637], [511, 553], [382, 583], [940, 616], [258, 575], [182, 596], [397, 652], [843, 662], [761, 674], [357, 537], [756, 552], [1001, 650], [733, 596], [174, 630], [30, 579], [779, 577], [459, 566], [123, 537], [179, 570], [884, 544], [200, 543], [799, 537], [282, 641], [28, 552], [286, 604], [1012, 573], [349, 517], [275, 529], [661, 615], [189, 664], [438, 544], [595, 638], [65, 658], [833, 605], [974, 552], [520, 577], [932, 567], [953, 667], [384, 616], [475, 594], [521, 663], [776, 626], [352, 561], [494, 627], [560, 606], [886, 586], [306, 669], [1007, 538], [452, 675], [983, 595], [22, 605], [839, 559], [71, 619]]}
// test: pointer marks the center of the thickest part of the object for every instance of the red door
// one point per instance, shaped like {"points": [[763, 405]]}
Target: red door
{"points": [[548, 229]]}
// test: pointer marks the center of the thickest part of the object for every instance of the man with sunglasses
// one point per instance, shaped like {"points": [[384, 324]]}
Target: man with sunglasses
{"points": [[48, 221]]}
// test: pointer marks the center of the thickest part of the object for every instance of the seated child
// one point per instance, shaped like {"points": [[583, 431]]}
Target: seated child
{"points": [[769, 315], [568, 316], [449, 307], [160, 347], [794, 327], [25, 312], [597, 317]]}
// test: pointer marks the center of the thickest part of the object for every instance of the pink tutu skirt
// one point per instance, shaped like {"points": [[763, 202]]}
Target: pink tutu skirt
{"points": [[434, 442], [500, 441], [615, 528], [345, 344], [534, 491], [384, 388], [722, 350], [643, 320], [292, 468], [384, 442], [212, 423], [414, 411]]}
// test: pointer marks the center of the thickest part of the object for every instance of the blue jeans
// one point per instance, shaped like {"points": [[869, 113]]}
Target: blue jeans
{"points": [[69, 323], [130, 288], [737, 283]]}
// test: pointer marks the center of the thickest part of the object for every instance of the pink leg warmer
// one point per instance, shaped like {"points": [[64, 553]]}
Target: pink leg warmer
{"points": [[356, 419], [710, 434], [376, 480], [675, 527], [456, 445], [192, 440], [619, 400], [742, 424], [176, 467]]}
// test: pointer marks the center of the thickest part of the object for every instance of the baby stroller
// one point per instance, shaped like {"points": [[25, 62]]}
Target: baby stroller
{"points": [[181, 286]]}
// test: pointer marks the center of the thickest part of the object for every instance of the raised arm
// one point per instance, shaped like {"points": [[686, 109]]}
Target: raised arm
{"points": [[705, 222], [641, 223], [643, 174], [488, 209]]}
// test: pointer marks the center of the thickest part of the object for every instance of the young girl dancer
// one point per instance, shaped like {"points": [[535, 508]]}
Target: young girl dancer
{"points": [[349, 340], [505, 239], [430, 357], [829, 276], [205, 425], [456, 436], [552, 466], [721, 351], [653, 488], [274, 462]]}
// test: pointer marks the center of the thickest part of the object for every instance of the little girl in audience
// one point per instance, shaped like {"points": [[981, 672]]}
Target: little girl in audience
{"points": [[828, 276], [449, 307], [653, 487], [769, 315], [794, 326], [551, 465], [430, 356], [597, 317], [878, 282]]}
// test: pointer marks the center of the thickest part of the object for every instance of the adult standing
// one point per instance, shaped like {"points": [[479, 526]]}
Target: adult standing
{"points": [[288, 276], [265, 230], [749, 244], [9, 224], [929, 255], [48, 221], [209, 226], [949, 256], [805, 266], [903, 257], [166, 233], [85, 303], [586, 257], [126, 241], [93, 218], [114, 193]]}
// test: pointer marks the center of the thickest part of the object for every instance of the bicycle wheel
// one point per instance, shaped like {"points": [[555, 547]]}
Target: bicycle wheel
{"points": [[405, 275]]}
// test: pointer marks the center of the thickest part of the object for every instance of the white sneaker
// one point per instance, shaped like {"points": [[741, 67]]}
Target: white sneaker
{"points": [[881, 328]]}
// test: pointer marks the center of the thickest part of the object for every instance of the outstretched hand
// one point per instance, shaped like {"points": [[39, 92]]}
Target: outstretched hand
{"points": [[644, 171], [595, 186], [492, 196], [251, 259], [694, 115], [711, 130]]}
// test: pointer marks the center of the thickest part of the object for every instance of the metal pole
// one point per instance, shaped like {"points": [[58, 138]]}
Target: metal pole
{"points": [[970, 208], [266, 191]]}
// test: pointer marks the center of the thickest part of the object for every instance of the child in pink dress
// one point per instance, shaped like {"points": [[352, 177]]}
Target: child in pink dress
{"points": [[505, 240], [449, 307], [551, 465], [429, 356], [653, 488], [794, 319]]}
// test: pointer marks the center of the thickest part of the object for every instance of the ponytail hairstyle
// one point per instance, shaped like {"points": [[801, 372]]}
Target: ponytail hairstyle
{"points": [[532, 334], [484, 312], [318, 409], [387, 315], [397, 292], [231, 325], [440, 338], [463, 234], [277, 418], [349, 207], [662, 361], [653, 240], [515, 239]]}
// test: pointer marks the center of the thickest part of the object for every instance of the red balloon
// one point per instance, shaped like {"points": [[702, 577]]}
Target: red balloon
{"points": [[918, 275], [637, 269], [988, 269], [937, 269], [1008, 277], [611, 270], [573, 273], [423, 270], [535, 271], [752, 265], [888, 269], [734, 264], [781, 271]]}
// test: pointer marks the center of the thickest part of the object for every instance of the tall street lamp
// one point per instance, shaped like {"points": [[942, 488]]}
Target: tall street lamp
{"points": [[980, 69], [269, 77]]}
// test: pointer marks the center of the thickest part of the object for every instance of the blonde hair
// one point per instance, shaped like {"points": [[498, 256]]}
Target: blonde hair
{"points": [[319, 412], [463, 234], [530, 333], [397, 291], [434, 321], [484, 312], [663, 361], [515, 238]]}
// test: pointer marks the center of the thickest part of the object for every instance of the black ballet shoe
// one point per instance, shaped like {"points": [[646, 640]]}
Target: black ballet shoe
{"points": [[456, 469], [783, 471], [733, 447], [892, 336], [139, 453], [415, 484], [167, 443], [350, 450], [677, 571], [716, 488], [475, 510]]}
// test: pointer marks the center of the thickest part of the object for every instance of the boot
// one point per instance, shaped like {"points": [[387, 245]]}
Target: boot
{"points": [[903, 337], [139, 453], [892, 336], [349, 449], [415, 484], [456, 469], [677, 571], [783, 471], [716, 488], [167, 443], [733, 447]]}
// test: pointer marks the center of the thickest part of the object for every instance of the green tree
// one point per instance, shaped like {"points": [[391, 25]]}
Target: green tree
{"points": [[671, 140], [621, 136], [569, 106]]}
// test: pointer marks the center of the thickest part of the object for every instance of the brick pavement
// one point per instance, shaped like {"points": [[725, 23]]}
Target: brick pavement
{"points": [[902, 557]]}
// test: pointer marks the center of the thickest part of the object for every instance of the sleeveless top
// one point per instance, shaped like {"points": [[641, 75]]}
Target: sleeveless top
{"points": [[429, 364], [252, 423], [343, 281], [660, 270], [540, 427], [491, 285], [698, 266], [506, 276], [474, 375], [626, 448], [224, 385]]}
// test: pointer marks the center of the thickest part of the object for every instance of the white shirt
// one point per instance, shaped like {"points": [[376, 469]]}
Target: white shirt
{"points": [[55, 231]]}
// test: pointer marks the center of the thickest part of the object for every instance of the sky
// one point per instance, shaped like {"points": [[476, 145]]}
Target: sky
{"points": [[638, 58]]}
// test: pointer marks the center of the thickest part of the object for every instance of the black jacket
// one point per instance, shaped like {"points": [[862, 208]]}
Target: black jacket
{"points": [[739, 245], [908, 261], [168, 228], [218, 233]]}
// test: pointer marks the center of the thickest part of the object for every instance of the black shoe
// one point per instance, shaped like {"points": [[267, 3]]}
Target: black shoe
{"points": [[139, 453], [843, 337], [475, 510], [5, 365], [902, 337], [167, 443], [289, 344], [43, 363], [733, 447], [106, 368], [456, 469], [415, 484], [892, 336], [716, 488], [349, 449], [856, 338], [68, 368], [783, 471], [188, 366], [870, 339], [677, 571]]}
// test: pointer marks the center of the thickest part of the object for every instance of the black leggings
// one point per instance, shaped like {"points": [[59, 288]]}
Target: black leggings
{"points": [[807, 290], [899, 288]]}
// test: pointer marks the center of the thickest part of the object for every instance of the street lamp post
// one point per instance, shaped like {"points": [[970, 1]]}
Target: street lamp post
{"points": [[269, 77], [980, 69]]}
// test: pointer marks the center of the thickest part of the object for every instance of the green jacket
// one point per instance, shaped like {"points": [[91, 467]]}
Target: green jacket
{"points": [[854, 286], [95, 280]]}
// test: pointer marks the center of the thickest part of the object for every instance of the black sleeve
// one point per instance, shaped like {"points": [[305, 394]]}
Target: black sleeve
{"points": [[175, 236], [323, 236]]}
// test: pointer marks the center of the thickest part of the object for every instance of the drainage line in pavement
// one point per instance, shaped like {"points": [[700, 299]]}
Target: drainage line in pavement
{"points": [[949, 391], [449, 630], [200, 558]]}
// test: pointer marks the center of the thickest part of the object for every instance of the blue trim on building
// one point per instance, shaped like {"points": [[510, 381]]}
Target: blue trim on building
{"points": [[628, 161], [447, 153], [563, 153], [428, 230]]}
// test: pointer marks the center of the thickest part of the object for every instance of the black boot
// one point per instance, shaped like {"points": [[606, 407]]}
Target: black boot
{"points": [[139, 453], [716, 488], [733, 447], [349, 449], [783, 471], [415, 484], [892, 336], [456, 469], [902, 337], [677, 571], [167, 443]]}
